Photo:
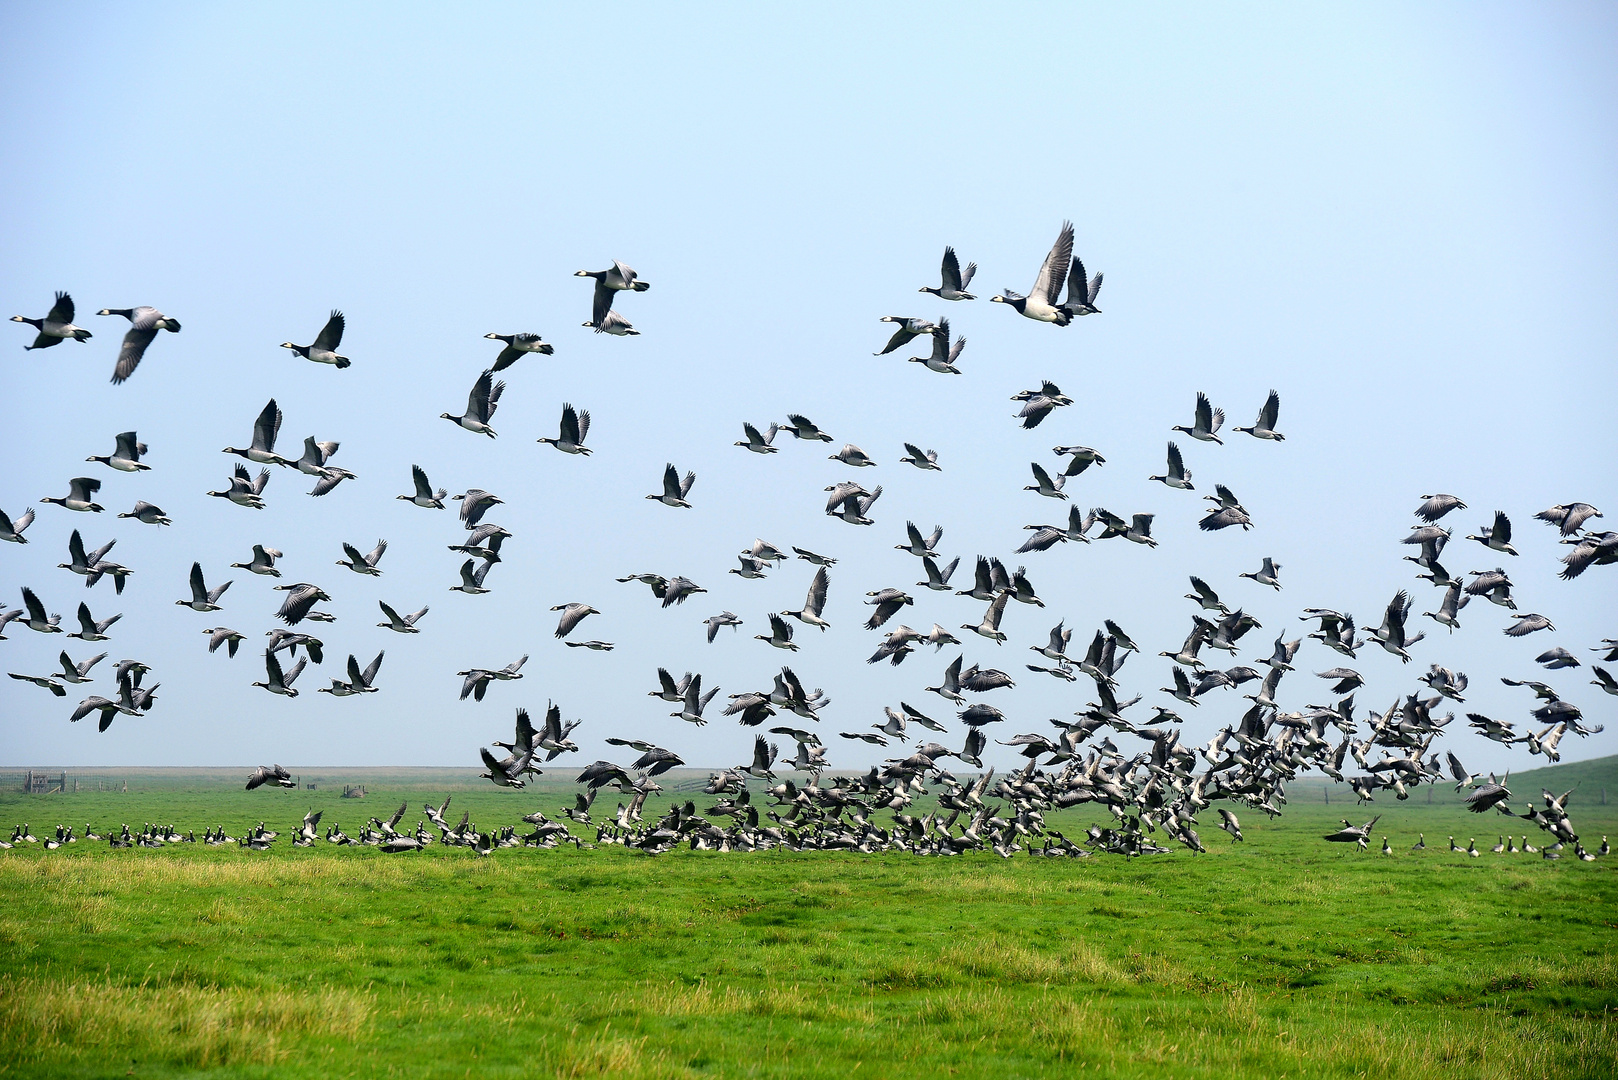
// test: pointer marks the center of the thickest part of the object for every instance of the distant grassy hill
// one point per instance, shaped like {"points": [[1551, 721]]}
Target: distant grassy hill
{"points": [[1589, 776]]}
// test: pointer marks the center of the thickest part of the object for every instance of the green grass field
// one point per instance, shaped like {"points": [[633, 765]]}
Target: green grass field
{"points": [[1281, 956]]}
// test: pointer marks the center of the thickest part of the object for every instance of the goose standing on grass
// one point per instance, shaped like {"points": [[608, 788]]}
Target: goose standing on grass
{"points": [[245, 488], [90, 628], [126, 457], [1081, 294], [364, 564], [80, 491], [616, 278], [909, 329], [324, 349], [1040, 303], [12, 531], [144, 323], [1177, 476], [265, 430], [757, 443], [572, 615], [277, 681], [1207, 422], [202, 597], [1268, 574], [263, 562], [675, 489], [1264, 426], [223, 635], [403, 624], [925, 460], [424, 497], [56, 326], [575, 427], [954, 279], [516, 345], [943, 357], [1496, 537], [480, 405]]}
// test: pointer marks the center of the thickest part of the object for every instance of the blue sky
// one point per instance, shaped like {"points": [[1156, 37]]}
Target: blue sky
{"points": [[1400, 217]]}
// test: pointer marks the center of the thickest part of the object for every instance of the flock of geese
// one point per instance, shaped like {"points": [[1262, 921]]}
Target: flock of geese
{"points": [[1151, 789]]}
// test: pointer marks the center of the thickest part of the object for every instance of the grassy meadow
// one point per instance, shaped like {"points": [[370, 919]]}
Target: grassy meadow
{"points": [[1279, 956]]}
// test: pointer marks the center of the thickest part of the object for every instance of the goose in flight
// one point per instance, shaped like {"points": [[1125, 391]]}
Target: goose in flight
{"points": [[1448, 610], [938, 580], [1040, 303], [263, 562], [1081, 294], [826, 560], [815, 602], [1604, 680], [714, 622], [616, 278], [277, 681], [1569, 518], [126, 456], [516, 345], [1267, 574], [44, 682], [472, 581], [265, 430], [990, 626], [1177, 475], [144, 323], [83, 563], [475, 502], [918, 545], [314, 459], [364, 564], [80, 496], [202, 597], [223, 635], [1224, 518], [954, 279], [614, 324], [270, 774], [854, 502], [90, 629], [245, 488], [1043, 484], [888, 602], [1083, 457], [1498, 536], [1391, 634], [505, 773], [1527, 624], [944, 355], [575, 427], [424, 497], [1592, 549], [1207, 422], [752, 568], [1494, 585], [675, 489], [759, 443], [1264, 426], [1038, 404], [301, 598], [12, 531], [804, 428], [324, 349], [1555, 659], [780, 634], [852, 456], [1047, 536], [1206, 597], [694, 702], [56, 326], [572, 615], [143, 512], [107, 707], [924, 460], [480, 405], [1434, 507], [909, 328]]}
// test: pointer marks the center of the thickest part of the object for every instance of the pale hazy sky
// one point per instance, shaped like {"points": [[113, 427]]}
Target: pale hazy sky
{"points": [[1399, 216]]}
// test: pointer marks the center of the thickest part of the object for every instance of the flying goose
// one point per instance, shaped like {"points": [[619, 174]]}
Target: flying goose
{"points": [[815, 602], [364, 564], [954, 279], [1264, 426], [1592, 549], [265, 430], [1081, 295], [888, 603], [938, 580], [223, 635], [472, 582], [850, 502], [77, 672], [1207, 423], [144, 323], [270, 774], [279, 682], [301, 597], [56, 326], [1604, 680], [675, 489], [1083, 457], [1434, 507], [944, 355], [475, 502], [1038, 404], [516, 345], [825, 560], [1493, 584], [1267, 574], [90, 629], [263, 562], [918, 545], [572, 615], [853, 456], [909, 328], [83, 563], [1498, 536], [990, 626], [203, 598], [757, 443], [752, 568], [12, 531], [575, 428], [804, 428], [126, 456], [923, 460], [44, 682], [780, 634], [1391, 634], [143, 511], [592, 645], [81, 489], [614, 324], [694, 701], [678, 589], [480, 405], [1452, 604], [1177, 476], [107, 707], [424, 497], [359, 682], [324, 349], [1043, 484], [1224, 518], [1557, 658], [1527, 624], [616, 278], [714, 622], [314, 459], [1022, 590], [245, 488], [1569, 517], [405, 624], [1040, 303]]}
